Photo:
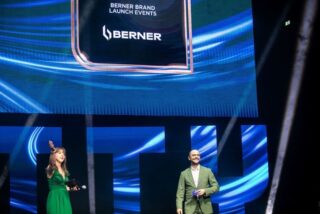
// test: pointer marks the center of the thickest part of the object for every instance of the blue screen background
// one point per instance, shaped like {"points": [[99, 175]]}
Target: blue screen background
{"points": [[38, 73]]}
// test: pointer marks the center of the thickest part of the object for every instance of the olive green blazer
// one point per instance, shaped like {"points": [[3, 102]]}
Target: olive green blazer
{"points": [[186, 185]]}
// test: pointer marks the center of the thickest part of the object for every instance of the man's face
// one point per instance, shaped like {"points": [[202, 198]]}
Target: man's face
{"points": [[194, 157]]}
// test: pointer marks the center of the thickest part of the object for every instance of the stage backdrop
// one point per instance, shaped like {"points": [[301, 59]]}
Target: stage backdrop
{"points": [[40, 74], [22, 144], [136, 149], [132, 170]]}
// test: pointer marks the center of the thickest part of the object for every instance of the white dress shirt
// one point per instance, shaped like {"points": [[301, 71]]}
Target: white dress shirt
{"points": [[195, 174]]}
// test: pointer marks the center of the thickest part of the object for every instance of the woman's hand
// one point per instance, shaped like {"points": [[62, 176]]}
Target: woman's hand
{"points": [[75, 188], [72, 189]]}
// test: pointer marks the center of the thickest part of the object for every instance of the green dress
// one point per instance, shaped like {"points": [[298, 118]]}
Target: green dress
{"points": [[58, 201]]}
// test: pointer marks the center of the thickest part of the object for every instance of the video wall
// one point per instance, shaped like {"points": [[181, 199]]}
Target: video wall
{"points": [[179, 58], [134, 151]]}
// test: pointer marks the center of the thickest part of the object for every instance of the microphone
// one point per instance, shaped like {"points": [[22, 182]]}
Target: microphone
{"points": [[195, 194]]}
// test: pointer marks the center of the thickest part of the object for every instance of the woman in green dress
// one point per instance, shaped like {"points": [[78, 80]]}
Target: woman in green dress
{"points": [[58, 201]]}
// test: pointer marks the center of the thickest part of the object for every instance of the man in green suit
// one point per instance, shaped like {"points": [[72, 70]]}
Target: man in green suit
{"points": [[195, 186]]}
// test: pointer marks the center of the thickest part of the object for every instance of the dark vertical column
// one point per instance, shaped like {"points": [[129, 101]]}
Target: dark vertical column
{"points": [[42, 182], [230, 153], [159, 173], [230, 157], [74, 140], [103, 164], [177, 137], [4, 183]]}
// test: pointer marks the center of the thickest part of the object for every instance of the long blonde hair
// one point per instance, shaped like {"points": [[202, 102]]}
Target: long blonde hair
{"points": [[52, 162]]}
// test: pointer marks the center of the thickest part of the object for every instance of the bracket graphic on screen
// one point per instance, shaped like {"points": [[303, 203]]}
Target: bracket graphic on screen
{"points": [[137, 35]]}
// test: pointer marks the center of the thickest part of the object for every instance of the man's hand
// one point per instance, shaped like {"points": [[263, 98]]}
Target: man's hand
{"points": [[201, 192], [179, 211]]}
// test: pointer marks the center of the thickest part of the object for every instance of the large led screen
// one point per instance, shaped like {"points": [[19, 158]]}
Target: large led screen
{"points": [[40, 74]]}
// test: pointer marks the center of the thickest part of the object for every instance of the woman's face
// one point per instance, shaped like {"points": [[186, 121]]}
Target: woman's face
{"points": [[60, 156]]}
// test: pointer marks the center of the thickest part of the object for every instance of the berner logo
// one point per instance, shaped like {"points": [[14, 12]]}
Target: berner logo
{"points": [[117, 34]]}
